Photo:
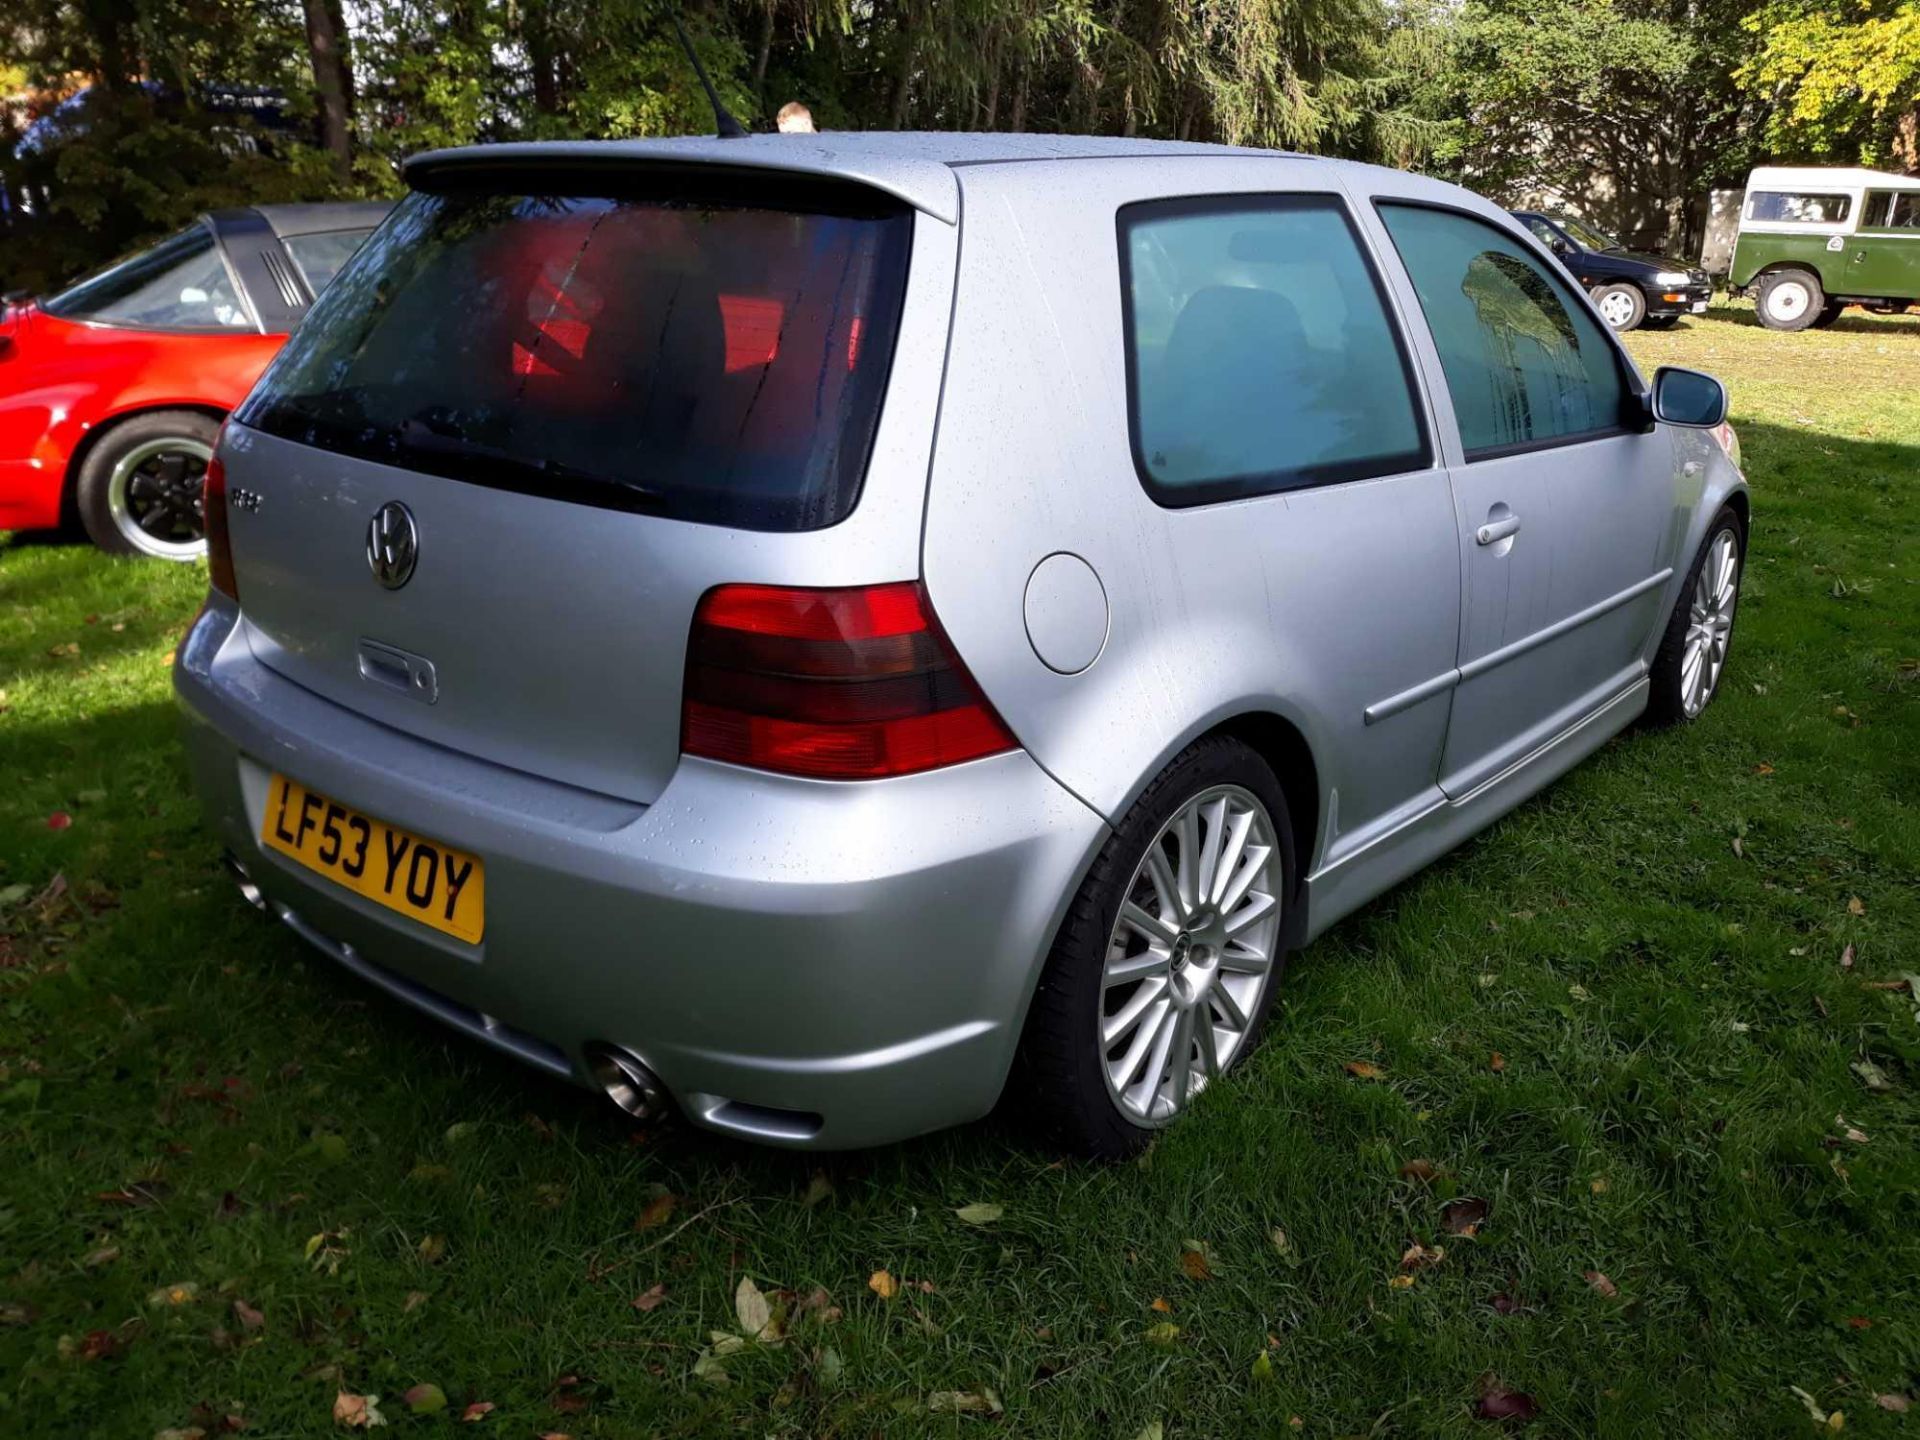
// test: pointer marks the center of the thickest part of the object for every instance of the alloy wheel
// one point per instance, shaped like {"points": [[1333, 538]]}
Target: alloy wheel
{"points": [[154, 496], [1190, 954], [1616, 308], [1710, 623]]}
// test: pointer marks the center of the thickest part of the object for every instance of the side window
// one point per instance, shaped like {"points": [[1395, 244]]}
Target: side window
{"points": [[321, 256], [1808, 209], [1543, 232], [180, 284], [1526, 365], [1892, 210], [1259, 352]]}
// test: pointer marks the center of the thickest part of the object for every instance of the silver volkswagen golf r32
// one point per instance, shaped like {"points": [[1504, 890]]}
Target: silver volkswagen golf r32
{"points": [[824, 631]]}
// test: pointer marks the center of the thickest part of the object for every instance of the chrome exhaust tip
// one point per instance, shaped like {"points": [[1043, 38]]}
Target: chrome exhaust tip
{"points": [[249, 891], [627, 1081]]}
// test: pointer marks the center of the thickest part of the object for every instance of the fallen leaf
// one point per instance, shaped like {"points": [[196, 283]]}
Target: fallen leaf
{"points": [[818, 1188], [658, 1211], [59, 820], [1366, 1070], [707, 1367], [1739, 852], [1464, 1216], [433, 1248], [105, 1255], [1497, 1062], [1898, 1404], [652, 1298], [1602, 1285], [1420, 1257], [181, 1292], [426, 1399], [750, 1307], [964, 1402], [476, 1412], [1763, 768], [1418, 1170], [1401, 1282], [1499, 1403], [357, 1412], [1599, 1185], [1859, 1322], [250, 1319], [1846, 958], [1152, 1430], [980, 1214], [1163, 1334], [415, 1299], [1856, 906], [1262, 1369], [883, 1284], [1872, 1076], [1196, 1260], [1813, 1406]]}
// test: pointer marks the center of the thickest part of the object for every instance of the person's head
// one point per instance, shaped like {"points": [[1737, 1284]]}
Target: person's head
{"points": [[794, 119]]}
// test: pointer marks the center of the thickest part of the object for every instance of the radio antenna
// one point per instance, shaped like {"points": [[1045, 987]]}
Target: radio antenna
{"points": [[724, 125]]}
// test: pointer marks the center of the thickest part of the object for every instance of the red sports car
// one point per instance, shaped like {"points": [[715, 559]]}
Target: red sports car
{"points": [[111, 391]]}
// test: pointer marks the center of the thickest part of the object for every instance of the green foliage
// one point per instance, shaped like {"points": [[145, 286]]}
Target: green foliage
{"points": [[1845, 78]]}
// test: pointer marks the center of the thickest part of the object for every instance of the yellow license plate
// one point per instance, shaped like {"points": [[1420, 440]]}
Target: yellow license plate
{"points": [[430, 882]]}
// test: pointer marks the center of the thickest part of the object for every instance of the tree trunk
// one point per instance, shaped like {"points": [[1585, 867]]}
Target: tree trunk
{"points": [[1017, 121], [763, 55], [903, 82], [106, 26], [1906, 141], [326, 47], [536, 28], [993, 81]]}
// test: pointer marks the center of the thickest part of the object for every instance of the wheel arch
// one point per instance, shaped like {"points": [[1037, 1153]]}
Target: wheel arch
{"points": [[76, 461], [1280, 742]]}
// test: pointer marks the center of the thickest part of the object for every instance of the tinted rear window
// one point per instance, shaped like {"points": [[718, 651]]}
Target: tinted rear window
{"points": [[643, 349]]}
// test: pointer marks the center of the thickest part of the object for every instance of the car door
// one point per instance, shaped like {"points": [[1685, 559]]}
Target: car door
{"points": [[1566, 501]]}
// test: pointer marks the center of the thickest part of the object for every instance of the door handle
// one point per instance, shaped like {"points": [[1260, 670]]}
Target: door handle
{"points": [[1497, 530]]}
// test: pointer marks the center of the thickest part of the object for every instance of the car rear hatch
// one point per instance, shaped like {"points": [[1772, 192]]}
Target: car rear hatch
{"points": [[479, 495]]}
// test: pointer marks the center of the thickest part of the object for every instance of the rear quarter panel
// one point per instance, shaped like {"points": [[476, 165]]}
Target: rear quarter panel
{"points": [[1309, 605], [63, 380], [1757, 251]]}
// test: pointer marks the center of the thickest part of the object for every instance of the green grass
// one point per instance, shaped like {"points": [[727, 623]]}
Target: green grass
{"points": [[1678, 1030]]}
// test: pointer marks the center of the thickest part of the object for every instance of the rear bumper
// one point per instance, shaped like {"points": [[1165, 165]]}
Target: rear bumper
{"points": [[806, 963]]}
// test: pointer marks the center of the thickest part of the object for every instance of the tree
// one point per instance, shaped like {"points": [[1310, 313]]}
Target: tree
{"points": [[1843, 80], [332, 79]]}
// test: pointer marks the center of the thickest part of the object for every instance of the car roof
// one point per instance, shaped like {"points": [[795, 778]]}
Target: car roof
{"points": [[1830, 177], [915, 166], [317, 219]]}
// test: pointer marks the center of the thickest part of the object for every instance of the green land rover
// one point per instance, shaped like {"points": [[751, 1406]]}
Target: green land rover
{"points": [[1813, 241]]}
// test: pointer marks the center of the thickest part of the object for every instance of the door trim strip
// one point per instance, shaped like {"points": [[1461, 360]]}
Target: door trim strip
{"points": [[1493, 659]]}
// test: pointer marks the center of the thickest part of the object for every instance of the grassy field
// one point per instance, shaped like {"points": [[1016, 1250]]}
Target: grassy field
{"points": [[1650, 1020]]}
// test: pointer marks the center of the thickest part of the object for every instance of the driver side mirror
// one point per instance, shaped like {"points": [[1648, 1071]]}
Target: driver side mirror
{"points": [[1686, 397]]}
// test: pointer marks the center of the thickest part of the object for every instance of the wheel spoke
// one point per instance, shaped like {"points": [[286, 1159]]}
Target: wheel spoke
{"points": [[1147, 1089], [1215, 818], [1143, 1039], [1186, 837], [1227, 863], [1209, 1046], [1149, 927], [1241, 959], [1129, 1014], [1160, 874], [1257, 907], [1130, 968], [1230, 1010], [156, 520], [1181, 1058], [1256, 861]]}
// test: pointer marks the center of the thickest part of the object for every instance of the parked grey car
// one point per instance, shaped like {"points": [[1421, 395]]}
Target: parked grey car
{"points": [[807, 628]]}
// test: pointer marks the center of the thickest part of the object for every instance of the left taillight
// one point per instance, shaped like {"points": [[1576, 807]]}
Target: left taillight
{"points": [[213, 516], [843, 684]]}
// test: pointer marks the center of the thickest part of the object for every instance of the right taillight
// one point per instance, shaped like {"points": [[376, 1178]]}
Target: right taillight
{"points": [[848, 684], [213, 519]]}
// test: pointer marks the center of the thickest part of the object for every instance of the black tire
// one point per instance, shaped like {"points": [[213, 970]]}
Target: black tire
{"points": [[173, 444], [1780, 295], [1628, 304], [1061, 1088], [1659, 322], [1666, 702], [1829, 313]]}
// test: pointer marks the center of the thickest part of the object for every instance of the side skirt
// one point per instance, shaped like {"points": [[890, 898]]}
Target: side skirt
{"points": [[1343, 886]]}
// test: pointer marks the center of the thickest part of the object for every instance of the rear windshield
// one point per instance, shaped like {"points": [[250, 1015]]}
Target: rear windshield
{"points": [[667, 352]]}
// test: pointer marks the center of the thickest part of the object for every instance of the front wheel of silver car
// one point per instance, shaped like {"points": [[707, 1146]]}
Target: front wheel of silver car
{"points": [[1692, 657], [1169, 957]]}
